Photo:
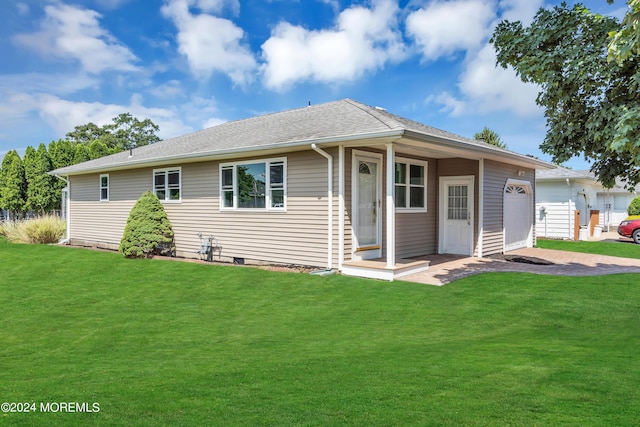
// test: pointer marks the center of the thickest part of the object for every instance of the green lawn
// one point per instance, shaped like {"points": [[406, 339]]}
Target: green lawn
{"points": [[622, 248], [157, 342]]}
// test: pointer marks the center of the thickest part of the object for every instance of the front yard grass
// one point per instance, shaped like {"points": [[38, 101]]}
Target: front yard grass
{"points": [[156, 342], [622, 248]]}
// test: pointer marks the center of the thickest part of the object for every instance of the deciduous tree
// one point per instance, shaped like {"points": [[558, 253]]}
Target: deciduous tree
{"points": [[125, 132], [586, 98]]}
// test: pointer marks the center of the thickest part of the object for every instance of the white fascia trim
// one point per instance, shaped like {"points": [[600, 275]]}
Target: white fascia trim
{"points": [[482, 152]]}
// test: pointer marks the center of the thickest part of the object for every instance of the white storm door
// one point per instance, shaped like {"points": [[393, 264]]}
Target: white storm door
{"points": [[367, 227], [456, 213]]}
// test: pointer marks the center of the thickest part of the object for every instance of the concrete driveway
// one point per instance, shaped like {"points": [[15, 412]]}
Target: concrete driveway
{"points": [[446, 268]]}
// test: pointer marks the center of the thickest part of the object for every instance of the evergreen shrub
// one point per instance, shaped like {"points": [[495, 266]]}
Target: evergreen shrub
{"points": [[148, 231], [634, 207]]}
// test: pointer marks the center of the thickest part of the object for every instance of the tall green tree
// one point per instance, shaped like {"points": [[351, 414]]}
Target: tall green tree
{"points": [[81, 154], [490, 137], [123, 133], [625, 42], [98, 149], [87, 133], [62, 153], [12, 184], [128, 131], [585, 97], [42, 192], [624, 46]]}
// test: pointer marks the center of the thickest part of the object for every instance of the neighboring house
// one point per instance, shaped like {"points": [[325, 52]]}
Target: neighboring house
{"points": [[339, 185], [563, 192]]}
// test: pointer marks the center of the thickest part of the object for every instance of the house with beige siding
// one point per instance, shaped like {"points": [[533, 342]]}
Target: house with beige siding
{"points": [[342, 186]]}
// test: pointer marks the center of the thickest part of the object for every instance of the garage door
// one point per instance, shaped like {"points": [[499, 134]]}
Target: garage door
{"points": [[517, 216]]}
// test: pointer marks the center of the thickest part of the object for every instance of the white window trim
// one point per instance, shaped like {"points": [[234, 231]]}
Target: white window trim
{"points": [[107, 187], [414, 162], [268, 188], [166, 183]]}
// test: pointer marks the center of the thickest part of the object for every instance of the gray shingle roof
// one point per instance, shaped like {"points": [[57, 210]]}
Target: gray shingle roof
{"points": [[347, 119], [561, 173]]}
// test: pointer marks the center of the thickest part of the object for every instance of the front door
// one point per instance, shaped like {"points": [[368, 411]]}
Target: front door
{"points": [[367, 227], [456, 215]]}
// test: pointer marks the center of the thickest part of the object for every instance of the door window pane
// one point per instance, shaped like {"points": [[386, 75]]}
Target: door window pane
{"points": [[367, 204], [457, 202]]}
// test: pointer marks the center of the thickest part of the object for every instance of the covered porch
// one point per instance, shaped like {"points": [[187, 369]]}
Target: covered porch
{"points": [[383, 236]]}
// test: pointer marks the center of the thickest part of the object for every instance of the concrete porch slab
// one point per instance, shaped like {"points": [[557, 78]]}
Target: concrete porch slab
{"points": [[565, 264]]}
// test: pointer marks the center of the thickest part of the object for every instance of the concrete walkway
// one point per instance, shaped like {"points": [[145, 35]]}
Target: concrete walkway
{"points": [[446, 270]]}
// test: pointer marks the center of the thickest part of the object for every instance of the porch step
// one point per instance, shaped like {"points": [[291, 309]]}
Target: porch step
{"points": [[377, 268]]}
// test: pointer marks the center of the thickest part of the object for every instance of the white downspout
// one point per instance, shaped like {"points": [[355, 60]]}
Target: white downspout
{"points": [[67, 215], [481, 207], [571, 236], [341, 218], [329, 203]]}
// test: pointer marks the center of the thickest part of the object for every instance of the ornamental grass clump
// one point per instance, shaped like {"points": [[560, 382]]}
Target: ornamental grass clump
{"points": [[148, 231], [46, 229]]}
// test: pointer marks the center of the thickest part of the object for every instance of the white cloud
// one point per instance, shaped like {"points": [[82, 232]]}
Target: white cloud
{"points": [[520, 10], [443, 28], [483, 86], [55, 83], [23, 8], [364, 39], [334, 4], [492, 88], [111, 4], [211, 43], [168, 90], [72, 33], [450, 104], [217, 6], [62, 115]]}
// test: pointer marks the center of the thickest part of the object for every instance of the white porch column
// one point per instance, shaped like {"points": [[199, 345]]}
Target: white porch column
{"points": [[391, 208]]}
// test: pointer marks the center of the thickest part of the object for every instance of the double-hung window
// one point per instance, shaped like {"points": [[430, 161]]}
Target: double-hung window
{"points": [[104, 188], [259, 185], [410, 185], [167, 184]]}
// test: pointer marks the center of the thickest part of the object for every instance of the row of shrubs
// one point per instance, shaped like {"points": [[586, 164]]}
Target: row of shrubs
{"points": [[43, 230]]}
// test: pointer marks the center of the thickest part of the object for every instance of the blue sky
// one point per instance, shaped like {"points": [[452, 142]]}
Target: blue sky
{"points": [[192, 64]]}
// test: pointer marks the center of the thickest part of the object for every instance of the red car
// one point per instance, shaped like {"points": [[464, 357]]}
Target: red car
{"points": [[630, 227]]}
